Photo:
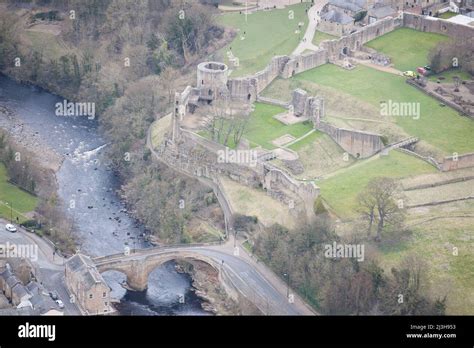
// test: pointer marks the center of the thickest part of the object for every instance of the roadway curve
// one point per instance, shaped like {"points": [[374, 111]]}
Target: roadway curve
{"points": [[249, 279]]}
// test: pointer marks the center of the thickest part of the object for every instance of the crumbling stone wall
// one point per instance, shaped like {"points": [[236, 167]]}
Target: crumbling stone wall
{"points": [[354, 41]]}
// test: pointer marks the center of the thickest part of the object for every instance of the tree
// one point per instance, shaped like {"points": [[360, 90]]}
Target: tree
{"points": [[377, 204]]}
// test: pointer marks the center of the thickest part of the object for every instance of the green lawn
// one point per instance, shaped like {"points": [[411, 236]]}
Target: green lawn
{"points": [[23, 202], [408, 48], [263, 128], [267, 33], [441, 127], [319, 37], [341, 190], [447, 15]]}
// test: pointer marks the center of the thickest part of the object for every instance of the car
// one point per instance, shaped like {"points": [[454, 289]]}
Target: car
{"points": [[10, 228], [60, 304], [409, 73], [427, 67], [54, 295]]}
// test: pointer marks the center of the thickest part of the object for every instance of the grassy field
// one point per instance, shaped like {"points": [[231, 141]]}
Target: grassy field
{"points": [[319, 155], [439, 126], [434, 239], [408, 48], [267, 33], [247, 201], [22, 201], [341, 190], [319, 37], [263, 128]]}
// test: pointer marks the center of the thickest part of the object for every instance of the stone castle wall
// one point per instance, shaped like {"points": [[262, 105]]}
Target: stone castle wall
{"points": [[437, 25], [358, 144], [355, 40]]}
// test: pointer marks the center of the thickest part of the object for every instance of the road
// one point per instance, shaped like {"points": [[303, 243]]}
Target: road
{"points": [[247, 268], [49, 268], [314, 18]]}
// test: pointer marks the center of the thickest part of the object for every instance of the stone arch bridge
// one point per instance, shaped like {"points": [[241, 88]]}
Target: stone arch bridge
{"points": [[242, 278]]}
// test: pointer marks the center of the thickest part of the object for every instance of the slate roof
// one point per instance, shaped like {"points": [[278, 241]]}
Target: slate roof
{"points": [[352, 5], [20, 291], [43, 303], [83, 265], [12, 281], [382, 11], [337, 17]]}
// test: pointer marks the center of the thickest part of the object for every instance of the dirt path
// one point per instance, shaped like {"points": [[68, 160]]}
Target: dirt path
{"points": [[387, 69]]}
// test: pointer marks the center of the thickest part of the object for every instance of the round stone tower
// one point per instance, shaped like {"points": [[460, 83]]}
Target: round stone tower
{"points": [[212, 80]]}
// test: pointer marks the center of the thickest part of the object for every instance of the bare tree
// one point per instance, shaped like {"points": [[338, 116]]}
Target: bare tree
{"points": [[378, 203]]}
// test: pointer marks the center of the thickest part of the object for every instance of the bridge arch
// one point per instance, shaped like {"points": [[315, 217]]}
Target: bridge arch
{"points": [[137, 267]]}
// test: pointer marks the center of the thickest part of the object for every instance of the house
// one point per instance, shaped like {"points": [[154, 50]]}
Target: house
{"points": [[88, 286], [380, 11], [41, 302], [10, 283], [4, 275], [336, 23], [20, 296], [348, 7]]}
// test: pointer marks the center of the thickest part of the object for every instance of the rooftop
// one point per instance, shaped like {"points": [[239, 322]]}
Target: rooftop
{"points": [[337, 17], [352, 5]]}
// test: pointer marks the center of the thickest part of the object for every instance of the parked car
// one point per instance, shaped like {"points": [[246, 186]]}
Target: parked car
{"points": [[409, 73], [54, 295], [60, 304], [10, 228], [421, 71]]}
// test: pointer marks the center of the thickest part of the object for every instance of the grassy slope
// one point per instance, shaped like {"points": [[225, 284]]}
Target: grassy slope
{"points": [[267, 33], [22, 201], [434, 240], [319, 37], [341, 190], [440, 126], [263, 128], [408, 48]]}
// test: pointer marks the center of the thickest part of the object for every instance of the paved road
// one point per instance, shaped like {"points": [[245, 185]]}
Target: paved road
{"points": [[49, 268], [314, 18]]}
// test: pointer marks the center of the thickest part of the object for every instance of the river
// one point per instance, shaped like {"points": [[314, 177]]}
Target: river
{"points": [[87, 187]]}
